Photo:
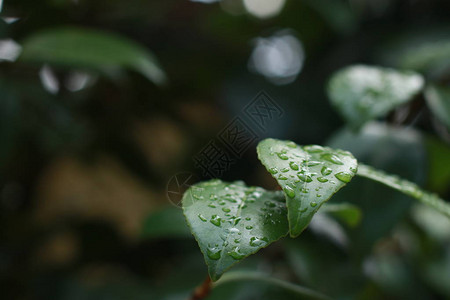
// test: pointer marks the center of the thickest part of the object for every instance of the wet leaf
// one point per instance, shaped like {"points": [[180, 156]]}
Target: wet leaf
{"points": [[362, 93], [230, 221], [308, 175], [90, 49]]}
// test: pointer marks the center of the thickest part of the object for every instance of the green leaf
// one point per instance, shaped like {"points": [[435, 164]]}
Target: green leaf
{"points": [[90, 49], [406, 187], [308, 175], [362, 93], [346, 212], [230, 221], [438, 99]]}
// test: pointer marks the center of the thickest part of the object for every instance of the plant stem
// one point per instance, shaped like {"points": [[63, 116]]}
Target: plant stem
{"points": [[406, 187], [240, 276], [203, 290]]}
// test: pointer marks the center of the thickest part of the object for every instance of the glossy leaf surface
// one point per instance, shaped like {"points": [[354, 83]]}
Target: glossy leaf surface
{"points": [[230, 221], [308, 175]]}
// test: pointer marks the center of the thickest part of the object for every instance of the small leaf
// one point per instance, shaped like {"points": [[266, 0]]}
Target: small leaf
{"points": [[91, 49], [308, 175], [362, 93], [406, 187], [438, 99], [230, 221], [346, 212]]}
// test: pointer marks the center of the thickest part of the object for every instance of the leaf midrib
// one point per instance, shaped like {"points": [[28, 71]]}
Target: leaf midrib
{"points": [[307, 159], [238, 212]]}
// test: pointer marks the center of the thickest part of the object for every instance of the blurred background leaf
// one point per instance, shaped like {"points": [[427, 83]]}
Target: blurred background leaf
{"points": [[87, 48]]}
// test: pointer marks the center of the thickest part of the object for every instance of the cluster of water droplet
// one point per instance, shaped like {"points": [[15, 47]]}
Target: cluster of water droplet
{"points": [[242, 213], [305, 169]]}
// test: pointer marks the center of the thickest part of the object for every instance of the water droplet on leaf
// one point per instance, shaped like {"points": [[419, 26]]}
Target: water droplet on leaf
{"points": [[326, 171], [332, 158], [344, 177], [216, 220], [322, 179], [289, 191], [202, 218], [258, 242], [213, 253], [273, 171], [293, 166], [236, 254]]}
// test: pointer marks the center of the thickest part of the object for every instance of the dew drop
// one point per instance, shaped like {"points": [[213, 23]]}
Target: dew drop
{"points": [[313, 163], [233, 230], [326, 171], [201, 217], [273, 171], [282, 156], [293, 166], [258, 242], [216, 220], [282, 177], [322, 179], [304, 178], [225, 209], [332, 158], [236, 254], [289, 191], [248, 227], [313, 204], [344, 177], [284, 170], [213, 253], [197, 197]]}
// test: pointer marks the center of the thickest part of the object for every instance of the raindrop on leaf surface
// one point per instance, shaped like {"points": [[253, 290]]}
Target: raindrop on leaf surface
{"points": [[344, 177]]}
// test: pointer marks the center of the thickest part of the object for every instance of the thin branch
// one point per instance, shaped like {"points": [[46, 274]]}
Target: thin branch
{"points": [[406, 187], [255, 276], [203, 290]]}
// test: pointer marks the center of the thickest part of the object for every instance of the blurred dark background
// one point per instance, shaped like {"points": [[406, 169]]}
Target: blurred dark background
{"points": [[87, 152]]}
